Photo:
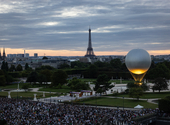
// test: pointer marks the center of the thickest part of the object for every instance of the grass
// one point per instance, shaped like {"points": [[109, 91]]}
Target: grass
{"points": [[117, 81], [15, 86], [148, 95], [55, 90], [27, 94], [88, 80], [64, 89], [123, 81], [119, 102]]}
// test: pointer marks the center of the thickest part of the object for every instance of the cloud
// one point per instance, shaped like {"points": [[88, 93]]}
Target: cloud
{"points": [[119, 25]]}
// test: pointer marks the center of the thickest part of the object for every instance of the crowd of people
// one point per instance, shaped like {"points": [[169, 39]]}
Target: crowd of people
{"points": [[26, 112]]}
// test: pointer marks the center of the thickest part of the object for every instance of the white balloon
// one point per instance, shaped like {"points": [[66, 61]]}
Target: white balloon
{"points": [[138, 61]]}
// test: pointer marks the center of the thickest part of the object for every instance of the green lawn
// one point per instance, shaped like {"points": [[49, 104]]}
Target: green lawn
{"points": [[148, 95], [15, 86], [123, 81], [119, 102], [117, 81], [55, 90], [27, 94], [88, 80]]}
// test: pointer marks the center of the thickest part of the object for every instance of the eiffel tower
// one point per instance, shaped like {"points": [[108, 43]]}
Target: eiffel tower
{"points": [[90, 52]]}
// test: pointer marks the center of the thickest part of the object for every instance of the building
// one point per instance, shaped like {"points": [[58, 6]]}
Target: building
{"points": [[35, 55], [20, 55], [11, 55], [27, 55]]}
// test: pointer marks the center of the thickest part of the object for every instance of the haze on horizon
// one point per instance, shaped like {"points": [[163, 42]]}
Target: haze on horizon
{"points": [[60, 28]]}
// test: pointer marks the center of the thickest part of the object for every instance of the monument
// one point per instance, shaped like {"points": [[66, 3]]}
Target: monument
{"points": [[90, 52]]}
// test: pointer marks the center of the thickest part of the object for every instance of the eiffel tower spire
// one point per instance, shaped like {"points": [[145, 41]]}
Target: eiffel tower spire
{"points": [[89, 52]]}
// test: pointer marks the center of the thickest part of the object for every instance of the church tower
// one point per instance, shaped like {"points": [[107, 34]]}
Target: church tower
{"points": [[90, 52], [4, 56]]}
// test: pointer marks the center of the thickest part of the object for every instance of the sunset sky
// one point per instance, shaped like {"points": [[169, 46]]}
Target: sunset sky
{"points": [[60, 27]]}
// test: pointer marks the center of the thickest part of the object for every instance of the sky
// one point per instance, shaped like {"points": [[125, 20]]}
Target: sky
{"points": [[60, 27]]}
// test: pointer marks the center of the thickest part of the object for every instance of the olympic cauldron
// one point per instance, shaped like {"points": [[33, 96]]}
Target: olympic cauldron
{"points": [[138, 62]]}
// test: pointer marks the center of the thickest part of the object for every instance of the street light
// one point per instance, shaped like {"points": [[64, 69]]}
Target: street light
{"points": [[50, 97], [17, 97], [123, 102], [96, 100]]}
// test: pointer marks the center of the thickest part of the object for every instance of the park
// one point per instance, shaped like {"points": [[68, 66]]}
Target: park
{"points": [[99, 85]]}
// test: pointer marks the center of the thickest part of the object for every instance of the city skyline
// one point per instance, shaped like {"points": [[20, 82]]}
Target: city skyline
{"points": [[60, 28], [68, 53]]}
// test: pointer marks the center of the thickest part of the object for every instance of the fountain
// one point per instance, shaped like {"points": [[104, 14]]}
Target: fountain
{"points": [[18, 90]]}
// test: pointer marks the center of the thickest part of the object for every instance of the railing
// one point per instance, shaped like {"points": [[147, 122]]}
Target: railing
{"points": [[146, 119]]}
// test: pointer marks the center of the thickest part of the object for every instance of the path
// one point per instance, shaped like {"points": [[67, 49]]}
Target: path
{"points": [[36, 90], [148, 100]]}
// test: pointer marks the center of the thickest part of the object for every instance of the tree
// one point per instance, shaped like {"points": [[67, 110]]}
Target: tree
{"points": [[8, 78], [123, 67], [77, 84], [59, 77], [78, 64], [26, 66], [164, 104], [92, 71], [12, 68], [64, 66], [99, 90], [2, 80], [45, 67], [136, 92], [116, 63], [100, 64], [25, 87], [103, 82], [19, 67], [44, 57], [4, 66], [159, 71], [42, 78], [133, 85], [1, 72], [160, 84], [47, 73], [32, 77]]}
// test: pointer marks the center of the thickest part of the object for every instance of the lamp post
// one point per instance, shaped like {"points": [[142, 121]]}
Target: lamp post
{"points": [[123, 102], [50, 97], [17, 97], [96, 100]]}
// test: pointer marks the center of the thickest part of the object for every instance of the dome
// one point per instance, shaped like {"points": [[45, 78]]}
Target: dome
{"points": [[138, 61]]}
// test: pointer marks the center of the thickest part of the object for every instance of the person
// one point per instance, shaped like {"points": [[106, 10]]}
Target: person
{"points": [[40, 113]]}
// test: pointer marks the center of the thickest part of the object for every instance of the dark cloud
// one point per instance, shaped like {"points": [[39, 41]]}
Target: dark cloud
{"points": [[118, 25]]}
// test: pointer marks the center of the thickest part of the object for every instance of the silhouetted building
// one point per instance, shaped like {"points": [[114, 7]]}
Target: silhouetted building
{"points": [[35, 55], [3, 56]]}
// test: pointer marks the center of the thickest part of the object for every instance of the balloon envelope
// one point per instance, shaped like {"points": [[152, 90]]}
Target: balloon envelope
{"points": [[138, 61]]}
